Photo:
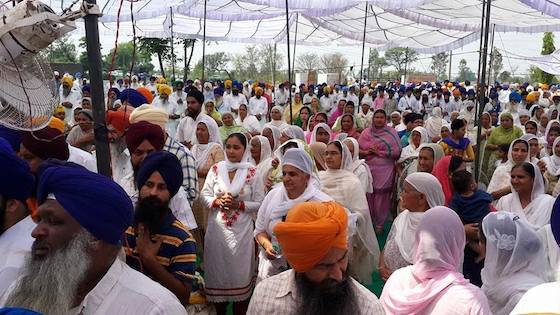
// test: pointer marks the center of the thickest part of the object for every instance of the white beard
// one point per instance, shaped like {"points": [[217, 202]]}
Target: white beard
{"points": [[49, 285]]}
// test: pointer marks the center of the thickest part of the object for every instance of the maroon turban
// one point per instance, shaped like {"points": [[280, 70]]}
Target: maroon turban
{"points": [[143, 130], [47, 143]]}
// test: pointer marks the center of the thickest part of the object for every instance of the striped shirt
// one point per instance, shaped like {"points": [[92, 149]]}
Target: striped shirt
{"points": [[177, 252], [190, 176]]}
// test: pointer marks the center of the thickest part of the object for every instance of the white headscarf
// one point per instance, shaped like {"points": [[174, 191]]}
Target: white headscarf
{"points": [[346, 161], [241, 168], [201, 151], [276, 133], [514, 262], [407, 222], [317, 126], [266, 152], [277, 123], [434, 123], [537, 213], [358, 163], [553, 161], [294, 132], [411, 150]]}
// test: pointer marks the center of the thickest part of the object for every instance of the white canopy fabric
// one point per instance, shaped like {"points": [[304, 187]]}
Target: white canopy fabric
{"points": [[427, 26], [547, 63]]}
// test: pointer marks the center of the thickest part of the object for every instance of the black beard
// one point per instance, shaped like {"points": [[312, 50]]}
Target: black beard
{"points": [[150, 211], [326, 298]]}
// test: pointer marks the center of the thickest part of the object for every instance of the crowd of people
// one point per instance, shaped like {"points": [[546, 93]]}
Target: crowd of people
{"points": [[266, 199]]}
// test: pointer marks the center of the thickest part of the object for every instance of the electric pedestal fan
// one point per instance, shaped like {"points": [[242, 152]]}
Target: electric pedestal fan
{"points": [[28, 92]]}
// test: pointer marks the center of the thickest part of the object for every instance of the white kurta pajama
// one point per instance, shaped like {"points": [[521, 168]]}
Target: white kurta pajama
{"points": [[229, 250]]}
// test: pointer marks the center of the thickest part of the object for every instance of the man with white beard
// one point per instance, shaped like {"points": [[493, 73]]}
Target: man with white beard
{"points": [[15, 220], [73, 267]]}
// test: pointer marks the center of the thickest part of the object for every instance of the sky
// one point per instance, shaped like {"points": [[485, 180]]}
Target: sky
{"points": [[518, 43]]}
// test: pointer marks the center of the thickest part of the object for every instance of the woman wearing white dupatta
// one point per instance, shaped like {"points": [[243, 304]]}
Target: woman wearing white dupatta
{"points": [[552, 167], [345, 188], [421, 192], [500, 184], [527, 199], [433, 125], [418, 136], [261, 156], [207, 151], [514, 261], [232, 192], [299, 185], [359, 166]]}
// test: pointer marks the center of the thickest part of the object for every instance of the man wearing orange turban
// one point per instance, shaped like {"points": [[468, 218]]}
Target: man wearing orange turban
{"points": [[117, 123], [313, 239]]}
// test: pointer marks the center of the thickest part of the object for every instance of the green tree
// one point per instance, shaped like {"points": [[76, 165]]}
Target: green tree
{"points": [[439, 64], [61, 50], [335, 63], [504, 77], [124, 58], [497, 64], [547, 49], [216, 63], [465, 73], [156, 46], [401, 58], [187, 43], [269, 62], [376, 62]]}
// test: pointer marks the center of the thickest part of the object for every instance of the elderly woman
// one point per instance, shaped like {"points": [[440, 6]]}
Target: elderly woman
{"points": [[418, 137], [273, 135], [380, 147], [527, 199], [433, 125], [345, 188], [433, 284], [207, 151], [321, 133], [292, 132], [249, 122], [276, 117], [232, 193], [299, 184], [499, 185], [514, 260], [421, 191], [295, 108], [230, 126], [359, 166], [81, 136]]}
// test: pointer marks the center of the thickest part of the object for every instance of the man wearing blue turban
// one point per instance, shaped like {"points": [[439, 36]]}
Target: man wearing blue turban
{"points": [[156, 234], [16, 184], [131, 97], [73, 266]]}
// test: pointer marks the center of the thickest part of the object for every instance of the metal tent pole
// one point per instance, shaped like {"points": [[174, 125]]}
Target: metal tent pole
{"points": [[102, 152], [295, 44], [491, 56], [204, 44], [450, 64], [481, 84], [172, 48], [363, 52], [289, 63]]}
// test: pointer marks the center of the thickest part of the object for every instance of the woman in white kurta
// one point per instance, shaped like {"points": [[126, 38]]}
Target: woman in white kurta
{"points": [[248, 121], [418, 136], [261, 157], [500, 184], [300, 184], [527, 199], [514, 261], [345, 188], [207, 151], [232, 193], [359, 166]]}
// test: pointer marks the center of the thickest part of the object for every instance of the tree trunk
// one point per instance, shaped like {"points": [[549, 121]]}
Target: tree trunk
{"points": [[184, 60], [161, 64]]}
